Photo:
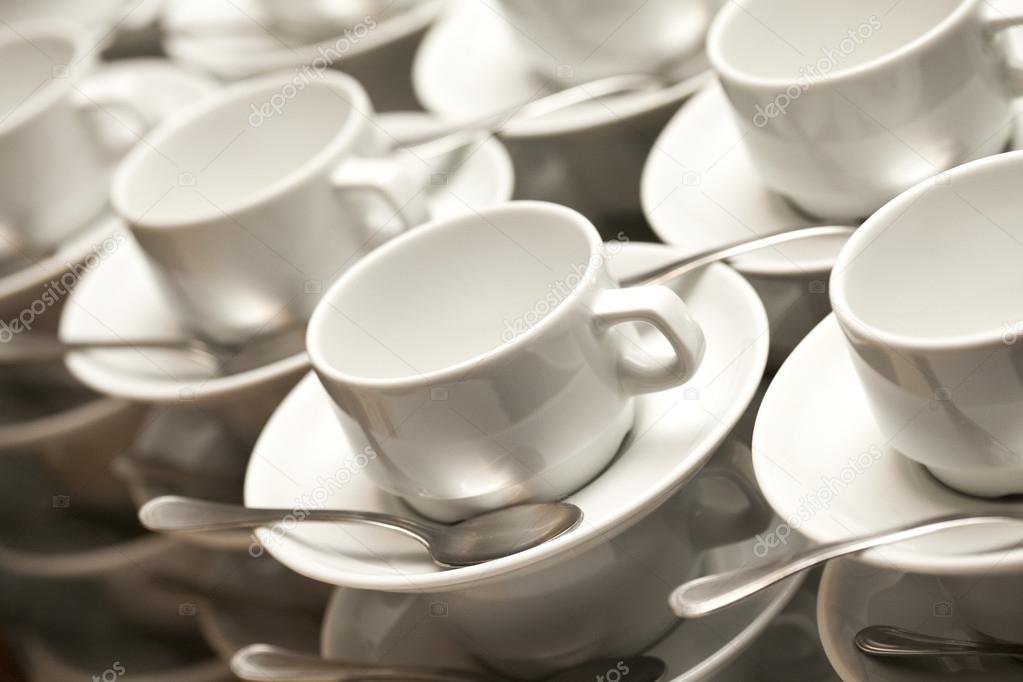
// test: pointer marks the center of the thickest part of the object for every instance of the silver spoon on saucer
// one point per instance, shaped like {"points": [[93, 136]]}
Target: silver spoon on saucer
{"points": [[224, 358], [232, 358], [258, 662], [890, 641], [590, 91], [482, 538], [711, 593], [677, 268]]}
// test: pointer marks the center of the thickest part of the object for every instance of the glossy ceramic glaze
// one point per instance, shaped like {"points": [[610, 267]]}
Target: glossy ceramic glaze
{"points": [[220, 227], [56, 162], [700, 190], [304, 458], [830, 471], [104, 309], [538, 621], [571, 41], [376, 627], [479, 360], [934, 339], [847, 105]]}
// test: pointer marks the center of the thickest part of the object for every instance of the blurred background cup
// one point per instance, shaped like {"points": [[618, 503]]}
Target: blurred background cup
{"points": [[55, 161], [252, 202], [584, 40], [846, 104], [482, 361]]}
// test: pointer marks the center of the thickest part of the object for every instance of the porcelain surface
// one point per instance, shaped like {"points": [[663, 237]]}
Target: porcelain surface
{"points": [[103, 308], [484, 360], [826, 467], [809, 107]]}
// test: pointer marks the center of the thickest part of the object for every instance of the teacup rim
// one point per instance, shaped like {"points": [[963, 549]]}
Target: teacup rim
{"points": [[853, 323], [728, 73], [316, 336], [344, 138], [53, 91]]}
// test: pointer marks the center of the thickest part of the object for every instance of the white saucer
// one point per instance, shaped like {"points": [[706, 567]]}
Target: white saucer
{"points": [[104, 304], [234, 39], [405, 629], [700, 190], [826, 469], [302, 453], [470, 65], [853, 595], [159, 88]]}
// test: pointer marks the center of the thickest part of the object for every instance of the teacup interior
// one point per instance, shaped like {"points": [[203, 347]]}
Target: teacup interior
{"points": [[245, 146], [795, 39], [28, 67], [448, 294], [947, 265]]}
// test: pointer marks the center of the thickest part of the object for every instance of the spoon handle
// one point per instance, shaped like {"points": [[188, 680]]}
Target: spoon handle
{"points": [[41, 347], [174, 514], [681, 266], [714, 592], [886, 640], [265, 662], [548, 104]]}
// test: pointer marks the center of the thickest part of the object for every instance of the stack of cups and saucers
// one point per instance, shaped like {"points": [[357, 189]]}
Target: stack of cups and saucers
{"points": [[483, 340]]}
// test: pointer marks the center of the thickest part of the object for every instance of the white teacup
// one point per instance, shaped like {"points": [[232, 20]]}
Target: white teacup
{"points": [[481, 359], [927, 292], [845, 104], [55, 159], [252, 202], [581, 40]]}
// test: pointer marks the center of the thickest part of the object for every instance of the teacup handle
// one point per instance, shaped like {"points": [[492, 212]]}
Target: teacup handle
{"points": [[996, 22], [711, 529], [95, 106], [390, 183], [662, 308]]}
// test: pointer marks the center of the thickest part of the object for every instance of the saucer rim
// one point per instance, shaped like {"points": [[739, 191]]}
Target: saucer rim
{"points": [[585, 536], [638, 105], [909, 560]]}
